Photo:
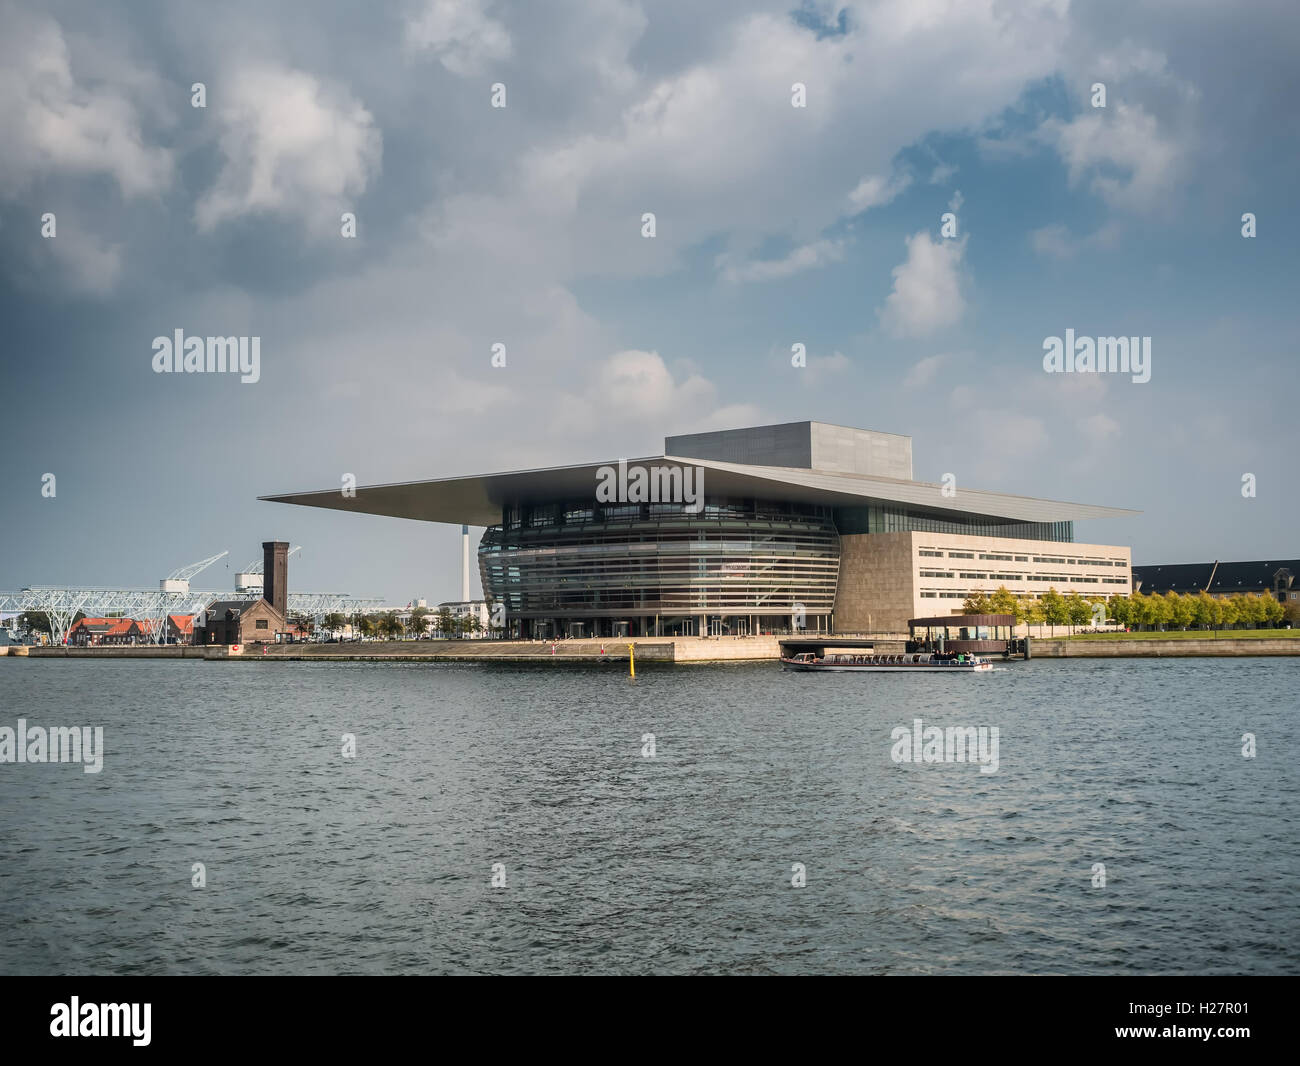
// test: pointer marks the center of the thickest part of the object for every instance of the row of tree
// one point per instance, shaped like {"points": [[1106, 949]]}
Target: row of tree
{"points": [[1155, 611], [420, 621]]}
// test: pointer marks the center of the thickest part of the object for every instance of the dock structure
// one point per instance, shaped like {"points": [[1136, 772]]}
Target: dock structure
{"points": [[972, 634]]}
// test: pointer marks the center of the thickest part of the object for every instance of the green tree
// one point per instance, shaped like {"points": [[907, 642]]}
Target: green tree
{"points": [[1002, 601], [977, 603], [1203, 610], [419, 622], [1157, 611], [1120, 610], [1054, 609], [1180, 609], [1274, 611], [334, 621], [1078, 611], [1229, 612], [446, 621]]}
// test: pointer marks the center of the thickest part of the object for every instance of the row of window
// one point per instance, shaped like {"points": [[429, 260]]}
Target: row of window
{"points": [[1075, 579], [932, 554]]}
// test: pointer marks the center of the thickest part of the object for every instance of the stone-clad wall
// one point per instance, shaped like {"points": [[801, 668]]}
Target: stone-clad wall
{"points": [[876, 591]]}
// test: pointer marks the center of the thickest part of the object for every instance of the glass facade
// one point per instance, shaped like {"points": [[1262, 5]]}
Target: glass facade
{"points": [[584, 569], [579, 568], [883, 518]]}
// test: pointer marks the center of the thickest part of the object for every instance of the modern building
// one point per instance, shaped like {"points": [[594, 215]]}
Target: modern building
{"points": [[1277, 578], [802, 525]]}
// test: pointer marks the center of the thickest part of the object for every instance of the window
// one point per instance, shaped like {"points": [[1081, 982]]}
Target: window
{"points": [[975, 577], [261, 624], [935, 555], [961, 555], [936, 573]]}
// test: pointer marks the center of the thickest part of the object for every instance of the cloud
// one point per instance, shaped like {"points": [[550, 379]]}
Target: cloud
{"points": [[637, 388], [1056, 241], [460, 34], [806, 257], [822, 368], [90, 265], [1122, 154], [53, 124], [292, 146], [877, 191], [927, 294], [924, 371]]}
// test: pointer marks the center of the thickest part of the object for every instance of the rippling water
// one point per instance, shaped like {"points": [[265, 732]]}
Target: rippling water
{"points": [[616, 863]]}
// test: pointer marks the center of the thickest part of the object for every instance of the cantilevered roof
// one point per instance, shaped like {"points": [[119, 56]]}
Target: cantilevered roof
{"points": [[477, 500]]}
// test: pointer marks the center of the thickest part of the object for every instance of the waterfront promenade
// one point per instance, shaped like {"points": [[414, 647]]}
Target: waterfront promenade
{"points": [[647, 650]]}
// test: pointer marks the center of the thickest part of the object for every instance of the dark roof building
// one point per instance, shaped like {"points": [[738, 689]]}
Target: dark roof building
{"points": [[1277, 578]]}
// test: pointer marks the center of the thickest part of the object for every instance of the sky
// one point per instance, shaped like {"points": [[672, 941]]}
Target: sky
{"points": [[523, 225]]}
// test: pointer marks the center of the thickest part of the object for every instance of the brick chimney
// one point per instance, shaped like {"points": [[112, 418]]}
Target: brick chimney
{"points": [[275, 574]]}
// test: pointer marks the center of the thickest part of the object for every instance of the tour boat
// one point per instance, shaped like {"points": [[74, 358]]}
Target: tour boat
{"points": [[916, 661]]}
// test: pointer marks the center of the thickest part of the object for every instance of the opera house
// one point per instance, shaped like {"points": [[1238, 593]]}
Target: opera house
{"points": [[799, 525]]}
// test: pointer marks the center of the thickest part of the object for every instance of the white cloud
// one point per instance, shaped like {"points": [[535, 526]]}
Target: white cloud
{"points": [[460, 34], [292, 146], [876, 191], [924, 371], [634, 388], [90, 265], [1056, 241], [927, 294], [806, 257], [1121, 152], [51, 123]]}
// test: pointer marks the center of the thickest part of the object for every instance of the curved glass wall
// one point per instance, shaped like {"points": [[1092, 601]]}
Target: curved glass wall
{"points": [[587, 569]]}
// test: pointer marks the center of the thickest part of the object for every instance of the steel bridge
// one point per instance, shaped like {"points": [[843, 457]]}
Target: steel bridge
{"points": [[61, 604]]}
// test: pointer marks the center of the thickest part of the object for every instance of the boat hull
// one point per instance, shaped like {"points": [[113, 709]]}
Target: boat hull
{"points": [[889, 668]]}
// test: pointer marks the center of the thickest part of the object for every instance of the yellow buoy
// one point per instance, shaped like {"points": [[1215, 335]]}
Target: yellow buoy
{"points": [[631, 660]]}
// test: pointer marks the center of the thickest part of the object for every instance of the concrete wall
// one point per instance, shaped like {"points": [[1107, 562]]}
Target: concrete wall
{"points": [[804, 445], [875, 593], [1146, 649], [861, 451]]}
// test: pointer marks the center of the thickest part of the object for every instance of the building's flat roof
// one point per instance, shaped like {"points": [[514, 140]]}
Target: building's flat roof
{"points": [[477, 499]]}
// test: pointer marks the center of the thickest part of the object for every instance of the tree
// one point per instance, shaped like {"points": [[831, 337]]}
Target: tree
{"points": [[1157, 611], [1229, 613], [1273, 610], [391, 626], [334, 621], [446, 622], [1203, 610], [1180, 609], [36, 622], [419, 621], [1120, 609], [977, 603], [1077, 610], [1054, 609], [1002, 601]]}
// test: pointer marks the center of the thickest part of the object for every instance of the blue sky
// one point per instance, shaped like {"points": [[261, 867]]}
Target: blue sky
{"points": [[774, 225]]}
